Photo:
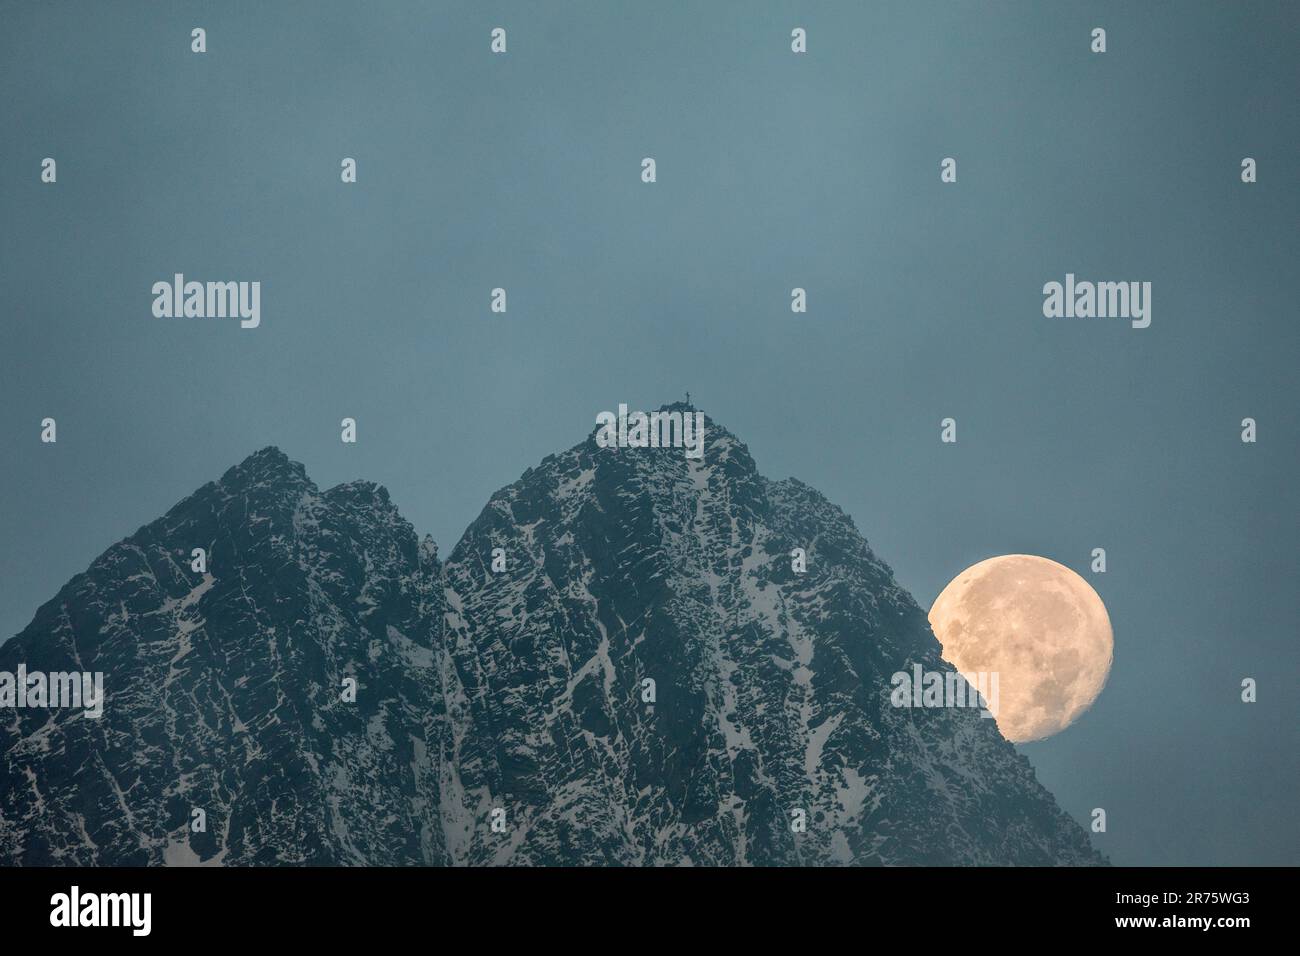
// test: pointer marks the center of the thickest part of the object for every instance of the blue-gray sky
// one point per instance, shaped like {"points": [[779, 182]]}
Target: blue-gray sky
{"points": [[775, 170]]}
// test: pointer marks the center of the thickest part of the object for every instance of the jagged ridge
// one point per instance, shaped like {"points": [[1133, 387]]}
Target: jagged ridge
{"points": [[519, 691]]}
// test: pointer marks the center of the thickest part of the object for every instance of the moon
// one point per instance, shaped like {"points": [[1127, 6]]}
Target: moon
{"points": [[1036, 624]]}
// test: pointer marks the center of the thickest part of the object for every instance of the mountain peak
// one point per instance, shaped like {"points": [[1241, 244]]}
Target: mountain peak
{"points": [[641, 655], [268, 465], [223, 632], [768, 630]]}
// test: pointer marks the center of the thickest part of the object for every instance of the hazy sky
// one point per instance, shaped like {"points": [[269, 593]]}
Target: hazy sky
{"points": [[775, 170]]}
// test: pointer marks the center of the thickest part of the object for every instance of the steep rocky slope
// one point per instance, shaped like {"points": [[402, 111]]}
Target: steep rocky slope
{"points": [[618, 664]]}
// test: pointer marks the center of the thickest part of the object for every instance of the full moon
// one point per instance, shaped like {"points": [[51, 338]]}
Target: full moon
{"points": [[1036, 624]]}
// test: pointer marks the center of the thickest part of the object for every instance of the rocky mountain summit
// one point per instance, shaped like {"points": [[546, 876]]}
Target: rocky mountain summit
{"points": [[618, 664]]}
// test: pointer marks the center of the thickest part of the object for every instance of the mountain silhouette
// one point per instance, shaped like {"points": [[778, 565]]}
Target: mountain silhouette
{"points": [[618, 664]]}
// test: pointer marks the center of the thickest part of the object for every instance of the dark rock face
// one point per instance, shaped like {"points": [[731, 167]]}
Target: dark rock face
{"points": [[772, 687], [519, 696], [223, 691]]}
